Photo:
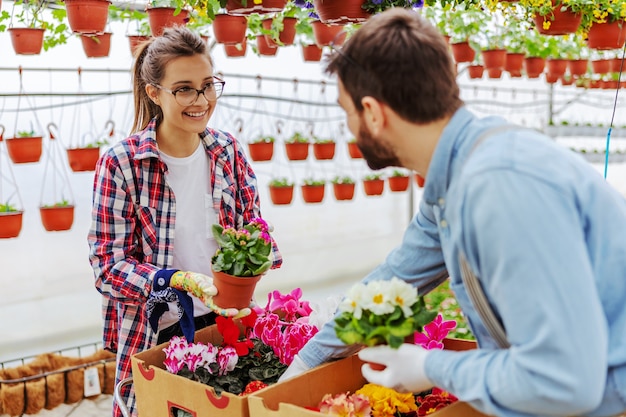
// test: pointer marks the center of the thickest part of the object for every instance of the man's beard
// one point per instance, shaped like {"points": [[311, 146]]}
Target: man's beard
{"points": [[376, 154]]}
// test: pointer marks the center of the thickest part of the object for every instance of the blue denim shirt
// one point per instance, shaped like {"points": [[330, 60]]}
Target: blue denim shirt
{"points": [[546, 235]]}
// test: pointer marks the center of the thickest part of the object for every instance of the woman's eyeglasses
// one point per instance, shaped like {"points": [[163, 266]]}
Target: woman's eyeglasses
{"points": [[187, 96]]}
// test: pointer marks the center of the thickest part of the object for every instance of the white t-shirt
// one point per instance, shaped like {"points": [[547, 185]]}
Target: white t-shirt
{"points": [[194, 245]]}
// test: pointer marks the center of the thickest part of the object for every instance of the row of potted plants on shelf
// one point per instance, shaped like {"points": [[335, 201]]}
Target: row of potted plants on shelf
{"points": [[297, 148], [344, 186], [483, 25], [567, 129]]}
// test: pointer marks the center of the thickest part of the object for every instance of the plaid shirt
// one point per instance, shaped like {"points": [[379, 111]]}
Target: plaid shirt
{"points": [[132, 231]]}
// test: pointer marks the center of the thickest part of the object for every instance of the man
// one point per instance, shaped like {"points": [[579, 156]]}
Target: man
{"points": [[539, 228]]}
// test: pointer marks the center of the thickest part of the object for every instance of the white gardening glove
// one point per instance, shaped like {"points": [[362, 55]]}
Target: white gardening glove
{"points": [[296, 367], [404, 370]]}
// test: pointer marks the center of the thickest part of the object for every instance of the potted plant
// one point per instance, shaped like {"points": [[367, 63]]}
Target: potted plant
{"points": [[25, 147], [556, 17], [353, 149], [10, 221], [313, 190], [35, 31], [297, 147], [85, 156], [281, 191], [323, 149], [262, 148], [343, 187], [538, 48], [167, 13], [467, 23], [139, 31], [87, 16], [242, 257], [604, 26], [373, 184], [96, 45], [58, 216], [398, 181]]}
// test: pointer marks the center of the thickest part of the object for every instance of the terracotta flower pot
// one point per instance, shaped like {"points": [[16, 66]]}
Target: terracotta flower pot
{"points": [[313, 193], [494, 73], [324, 151], [83, 159], [354, 151], [230, 30], [601, 66], [87, 16], [236, 51], [324, 34], [57, 218], [419, 180], [297, 151], [24, 150], [96, 45], [281, 195], [560, 22], [552, 78], [341, 11], [578, 66], [615, 64], [556, 66], [134, 41], [261, 151], [27, 41], [311, 53], [10, 224], [608, 35], [236, 7], [514, 62], [343, 191], [264, 48], [462, 52], [397, 183], [373, 187], [494, 58], [475, 71], [534, 66], [160, 18], [232, 291], [287, 35]]}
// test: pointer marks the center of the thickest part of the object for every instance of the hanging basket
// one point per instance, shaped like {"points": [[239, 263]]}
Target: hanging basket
{"points": [[343, 192], [311, 53], [398, 183], [373, 187], [297, 151], [134, 41], [514, 62], [601, 66], [419, 180], [607, 35], [27, 41], [96, 45], [341, 11], [494, 58], [354, 151], [552, 78], [534, 66], [230, 30], [556, 66], [560, 21], [475, 71], [578, 67], [160, 18], [236, 51], [281, 195], [87, 16], [236, 7], [264, 48], [324, 34], [312, 193], [286, 36], [83, 159], [261, 151], [462, 52], [10, 224], [24, 150], [324, 151], [57, 218]]}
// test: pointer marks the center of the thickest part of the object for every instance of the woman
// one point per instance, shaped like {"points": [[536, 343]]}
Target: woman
{"points": [[156, 195]]}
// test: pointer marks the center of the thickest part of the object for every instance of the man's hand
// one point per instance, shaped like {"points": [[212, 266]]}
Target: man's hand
{"points": [[296, 367], [404, 370]]}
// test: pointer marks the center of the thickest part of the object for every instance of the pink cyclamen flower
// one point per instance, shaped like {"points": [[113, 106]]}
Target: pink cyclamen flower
{"points": [[175, 354], [434, 333], [227, 359]]}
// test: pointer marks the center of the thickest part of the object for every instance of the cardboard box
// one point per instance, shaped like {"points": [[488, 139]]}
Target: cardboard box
{"points": [[157, 390], [289, 398]]}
